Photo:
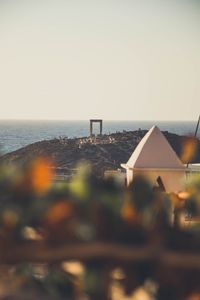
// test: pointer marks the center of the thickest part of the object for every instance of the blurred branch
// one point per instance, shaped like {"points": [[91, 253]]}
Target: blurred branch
{"points": [[38, 252]]}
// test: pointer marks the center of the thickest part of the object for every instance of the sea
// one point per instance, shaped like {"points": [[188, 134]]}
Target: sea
{"points": [[17, 134]]}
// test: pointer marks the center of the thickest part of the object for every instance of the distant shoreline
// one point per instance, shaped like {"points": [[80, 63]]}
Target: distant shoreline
{"points": [[15, 135]]}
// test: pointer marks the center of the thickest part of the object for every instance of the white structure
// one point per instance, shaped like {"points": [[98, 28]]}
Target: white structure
{"points": [[193, 169], [155, 159]]}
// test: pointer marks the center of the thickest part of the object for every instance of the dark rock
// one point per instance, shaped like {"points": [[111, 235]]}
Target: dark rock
{"points": [[104, 153]]}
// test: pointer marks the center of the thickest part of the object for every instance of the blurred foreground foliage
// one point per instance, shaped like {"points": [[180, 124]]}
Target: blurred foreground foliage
{"points": [[143, 234]]}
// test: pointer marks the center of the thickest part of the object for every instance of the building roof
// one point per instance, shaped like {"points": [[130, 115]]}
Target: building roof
{"points": [[154, 152]]}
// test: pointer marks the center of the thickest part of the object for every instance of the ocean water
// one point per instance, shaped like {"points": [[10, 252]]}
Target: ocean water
{"points": [[17, 134]]}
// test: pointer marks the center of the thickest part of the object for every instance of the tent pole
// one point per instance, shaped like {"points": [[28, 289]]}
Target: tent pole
{"points": [[197, 127]]}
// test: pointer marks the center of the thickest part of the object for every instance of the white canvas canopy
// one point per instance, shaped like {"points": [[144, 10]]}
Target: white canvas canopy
{"points": [[154, 152], [155, 159]]}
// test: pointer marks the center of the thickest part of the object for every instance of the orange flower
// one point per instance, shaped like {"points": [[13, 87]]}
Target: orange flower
{"points": [[189, 149], [41, 174], [58, 212], [128, 212], [194, 296]]}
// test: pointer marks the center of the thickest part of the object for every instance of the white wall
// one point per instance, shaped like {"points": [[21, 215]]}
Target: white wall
{"points": [[173, 180]]}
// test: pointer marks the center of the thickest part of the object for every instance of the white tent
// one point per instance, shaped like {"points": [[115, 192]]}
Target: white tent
{"points": [[155, 158]]}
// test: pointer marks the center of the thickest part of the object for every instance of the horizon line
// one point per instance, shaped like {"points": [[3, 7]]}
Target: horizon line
{"points": [[106, 120]]}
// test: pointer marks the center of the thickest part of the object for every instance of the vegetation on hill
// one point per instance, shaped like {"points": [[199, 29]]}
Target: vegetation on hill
{"points": [[103, 153]]}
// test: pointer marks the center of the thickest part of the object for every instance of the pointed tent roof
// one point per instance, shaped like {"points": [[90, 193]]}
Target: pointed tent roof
{"points": [[154, 152]]}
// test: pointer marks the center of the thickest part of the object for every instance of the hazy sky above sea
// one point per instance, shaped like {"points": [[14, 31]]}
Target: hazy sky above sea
{"points": [[127, 59]]}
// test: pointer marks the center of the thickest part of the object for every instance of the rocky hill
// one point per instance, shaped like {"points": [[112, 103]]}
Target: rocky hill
{"points": [[104, 153]]}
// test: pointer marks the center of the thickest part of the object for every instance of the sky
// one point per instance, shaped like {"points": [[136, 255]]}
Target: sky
{"points": [[109, 59]]}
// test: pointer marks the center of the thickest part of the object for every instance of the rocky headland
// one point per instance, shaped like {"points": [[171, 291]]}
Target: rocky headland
{"points": [[104, 152]]}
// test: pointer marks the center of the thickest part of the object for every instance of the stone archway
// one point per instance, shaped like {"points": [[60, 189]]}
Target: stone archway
{"points": [[100, 125]]}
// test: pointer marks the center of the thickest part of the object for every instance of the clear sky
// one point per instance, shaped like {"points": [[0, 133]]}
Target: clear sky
{"points": [[81, 59]]}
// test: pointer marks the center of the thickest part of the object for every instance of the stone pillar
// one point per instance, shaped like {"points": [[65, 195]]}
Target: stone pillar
{"points": [[101, 127], [91, 128]]}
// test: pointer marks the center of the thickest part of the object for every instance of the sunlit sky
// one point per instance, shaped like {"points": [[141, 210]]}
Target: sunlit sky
{"points": [[116, 60]]}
